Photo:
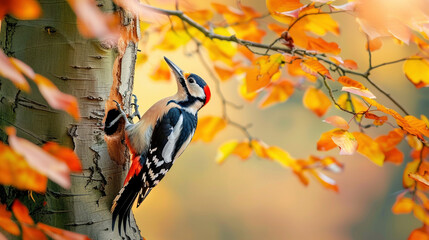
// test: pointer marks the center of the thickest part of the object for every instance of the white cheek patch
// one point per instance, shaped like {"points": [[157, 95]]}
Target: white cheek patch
{"points": [[196, 91]]}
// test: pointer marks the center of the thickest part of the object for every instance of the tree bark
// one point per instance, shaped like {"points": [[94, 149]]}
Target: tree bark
{"points": [[53, 47]]}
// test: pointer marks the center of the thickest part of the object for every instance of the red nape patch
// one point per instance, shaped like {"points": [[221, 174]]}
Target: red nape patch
{"points": [[135, 168], [208, 93]]}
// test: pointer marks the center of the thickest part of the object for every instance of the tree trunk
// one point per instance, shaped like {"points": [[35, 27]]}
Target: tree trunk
{"points": [[53, 47]]}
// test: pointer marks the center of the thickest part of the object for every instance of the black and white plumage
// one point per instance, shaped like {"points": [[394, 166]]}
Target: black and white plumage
{"points": [[157, 140]]}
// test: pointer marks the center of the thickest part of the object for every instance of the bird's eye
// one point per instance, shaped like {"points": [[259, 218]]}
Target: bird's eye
{"points": [[191, 80]]}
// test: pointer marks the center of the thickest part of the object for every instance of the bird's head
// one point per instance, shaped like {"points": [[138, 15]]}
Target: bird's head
{"points": [[192, 89]]}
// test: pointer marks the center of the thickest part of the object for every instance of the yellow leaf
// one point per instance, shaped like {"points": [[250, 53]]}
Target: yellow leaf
{"points": [[260, 148], [276, 7], [173, 40], [369, 148], [411, 167], [419, 178], [225, 150], [417, 71], [246, 95], [355, 104], [260, 75], [325, 142], [278, 92], [316, 101], [208, 127], [284, 158], [243, 150], [223, 51], [403, 205]]}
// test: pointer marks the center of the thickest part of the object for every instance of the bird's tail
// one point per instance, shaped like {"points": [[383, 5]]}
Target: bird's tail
{"points": [[110, 125], [124, 201]]}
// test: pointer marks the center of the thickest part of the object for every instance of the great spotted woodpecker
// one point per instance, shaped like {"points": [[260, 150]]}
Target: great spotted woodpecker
{"points": [[157, 139]]}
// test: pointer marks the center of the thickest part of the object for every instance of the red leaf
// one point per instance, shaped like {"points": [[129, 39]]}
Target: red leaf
{"points": [[64, 154], [21, 213]]}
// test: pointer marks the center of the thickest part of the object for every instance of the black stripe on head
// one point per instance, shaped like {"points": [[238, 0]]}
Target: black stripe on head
{"points": [[198, 80]]}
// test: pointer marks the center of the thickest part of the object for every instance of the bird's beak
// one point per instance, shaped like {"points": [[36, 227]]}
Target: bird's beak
{"points": [[176, 70]]}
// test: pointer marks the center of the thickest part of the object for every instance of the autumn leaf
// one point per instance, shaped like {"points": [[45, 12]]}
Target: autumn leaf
{"points": [[374, 44], [417, 71], [60, 234], [278, 92], [316, 101], [411, 167], [326, 181], [172, 40], [403, 205], [369, 148], [243, 150], [219, 50], [419, 233], [32, 233], [208, 127], [419, 178], [345, 141], [264, 70], [260, 148], [388, 145], [40, 160], [21, 9], [161, 72], [354, 104], [64, 154], [6, 221], [284, 158], [246, 95], [350, 64], [314, 67], [8, 70], [277, 8], [21, 213], [14, 170], [325, 142], [337, 122], [355, 87], [320, 45], [378, 121], [223, 73], [56, 98], [294, 69], [225, 150]]}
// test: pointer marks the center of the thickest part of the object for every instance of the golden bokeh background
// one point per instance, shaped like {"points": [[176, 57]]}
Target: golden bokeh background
{"points": [[259, 199]]}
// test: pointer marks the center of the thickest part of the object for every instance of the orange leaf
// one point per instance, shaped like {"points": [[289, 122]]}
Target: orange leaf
{"points": [[355, 104], [389, 141], [419, 178], [314, 67], [374, 44], [24, 9], [266, 67], [394, 156], [8, 70], [208, 127], [31, 233], [414, 143], [319, 24], [283, 6], [403, 205], [326, 181], [246, 95], [354, 87], [278, 92], [320, 45], [337, 122], [295, 69], [21, 213], [14, 170], [64, 154], [243, 150], [369, 148], [325, 142], [316, 101], [378, 121], [6, 222], [40, 160], [225, 150], [419, 234], [223, 73], [350, 64], [410, 124], [56, 98], [60, 234], [345, 141], [417, 71]]}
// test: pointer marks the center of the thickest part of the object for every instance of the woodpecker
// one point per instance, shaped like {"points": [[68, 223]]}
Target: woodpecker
{"points": [[157, 139]]}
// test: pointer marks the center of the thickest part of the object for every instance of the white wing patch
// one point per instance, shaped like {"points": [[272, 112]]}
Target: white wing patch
{"points": [[167, 152]]}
